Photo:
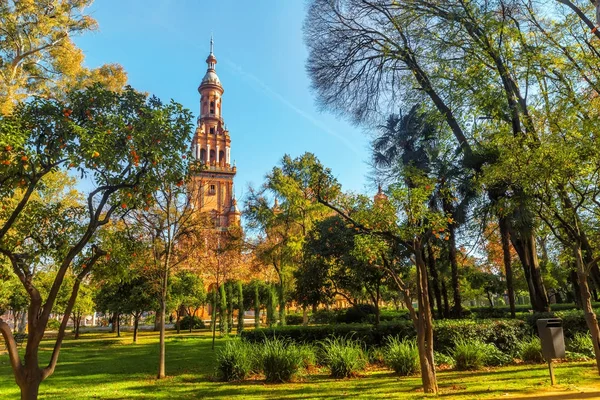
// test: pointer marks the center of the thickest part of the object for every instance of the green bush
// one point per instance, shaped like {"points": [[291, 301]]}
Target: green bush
{"points": [[308, 354], [343, 356], [234, 360], [402, 356], [503, 334], [294, 319], [443, 359], [195, 322], [281, 360], [53, 325], [323, 317], [469, 354], [494, 357], [375, 355], [582, 344], [530, 350]]}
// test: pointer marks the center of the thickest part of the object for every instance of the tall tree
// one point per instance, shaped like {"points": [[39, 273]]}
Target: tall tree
{"points": [[283, 211], [109, 138], [38, 55]]}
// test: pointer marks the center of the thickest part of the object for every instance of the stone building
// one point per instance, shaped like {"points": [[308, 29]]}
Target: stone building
{"points": [[212, 146]]}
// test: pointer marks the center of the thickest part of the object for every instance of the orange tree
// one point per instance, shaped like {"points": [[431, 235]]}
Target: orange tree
{"points": [[121, 143]]}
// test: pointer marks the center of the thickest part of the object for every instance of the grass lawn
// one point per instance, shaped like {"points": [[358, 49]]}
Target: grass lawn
{"points": [[100, 366]]}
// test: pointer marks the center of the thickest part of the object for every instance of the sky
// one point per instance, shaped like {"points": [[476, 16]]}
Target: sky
{"points": [[268, 105]]}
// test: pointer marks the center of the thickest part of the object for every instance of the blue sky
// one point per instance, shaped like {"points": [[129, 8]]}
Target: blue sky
{"points": [[268, 105]]}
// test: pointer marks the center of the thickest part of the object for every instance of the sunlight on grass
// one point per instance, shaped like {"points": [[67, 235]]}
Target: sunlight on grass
{"points": [[100, 366]]}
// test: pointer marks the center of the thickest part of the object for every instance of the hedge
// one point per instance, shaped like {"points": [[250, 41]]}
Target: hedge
{"points": [[504, 333]]}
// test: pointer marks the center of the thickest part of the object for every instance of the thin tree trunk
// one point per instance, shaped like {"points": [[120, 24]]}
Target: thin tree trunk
{"points": [[435, 281], [256, 308], [445, 298], [505, 240], [163, 311], [424, 325], [590, 315], [136, 319], [524, 244]]}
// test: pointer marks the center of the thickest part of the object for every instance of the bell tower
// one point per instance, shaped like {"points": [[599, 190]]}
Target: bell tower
{"points": [[211, 146]]}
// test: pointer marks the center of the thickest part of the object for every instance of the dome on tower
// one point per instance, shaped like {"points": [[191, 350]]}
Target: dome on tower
{"points": [[211, 78]]}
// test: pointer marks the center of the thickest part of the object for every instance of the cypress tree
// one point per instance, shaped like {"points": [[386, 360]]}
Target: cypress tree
{"points": [[256, 307], [240, 291], [271, 304], [223, 311], [230, 298]]}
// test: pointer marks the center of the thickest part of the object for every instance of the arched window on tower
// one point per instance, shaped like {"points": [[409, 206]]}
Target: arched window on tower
{"points": [[212, 108], [203, 155], [222, 158], [212, 156]]}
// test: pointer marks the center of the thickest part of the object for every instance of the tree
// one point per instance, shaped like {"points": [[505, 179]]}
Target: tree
{"points": [[187, 293], [331, 254], [223, 326], [109, 138], [256, 308], [240, 292], [84, 305], [283, 223], [378, 54], [39, 57]]}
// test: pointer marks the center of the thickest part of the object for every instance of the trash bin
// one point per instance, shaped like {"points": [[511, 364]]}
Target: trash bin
{"points": [[552, 338]]}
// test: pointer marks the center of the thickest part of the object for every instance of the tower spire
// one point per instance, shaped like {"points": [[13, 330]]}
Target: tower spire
{"points": [[212, 44]]}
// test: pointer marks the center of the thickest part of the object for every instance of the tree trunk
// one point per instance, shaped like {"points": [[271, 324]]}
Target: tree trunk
{"points": [[113, 321], [177, 323], [118, 325], [136, 320], [445, 298], [304, 315], [157, 321], [281, 295], [505, 240], [435, 281], [524, 244], [576, 292], [457, 309], [590, 315], [424, 325], [256, 308], [163, 311], [77, 322], [30, 389]]}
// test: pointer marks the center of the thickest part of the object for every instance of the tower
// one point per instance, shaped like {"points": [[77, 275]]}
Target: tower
{"points": [[211, 145]]}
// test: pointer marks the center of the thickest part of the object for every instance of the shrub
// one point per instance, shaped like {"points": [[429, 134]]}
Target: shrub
{"points": [[375, 355], [494, 357], [234, 360], [582, 344], [308, 354], [402, 356], [530, 350], [281, 360], [195, 322], [442, 359], [343, 356], [360, 313], [294, 319], [323, 317], [53, 325], [469, 354], [503, 334]]}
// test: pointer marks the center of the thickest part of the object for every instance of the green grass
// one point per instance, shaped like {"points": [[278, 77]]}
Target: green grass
{"points": [[99, 366]]}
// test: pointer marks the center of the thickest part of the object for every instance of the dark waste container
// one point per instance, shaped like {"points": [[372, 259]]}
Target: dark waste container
{"points": [[552, 338]]}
